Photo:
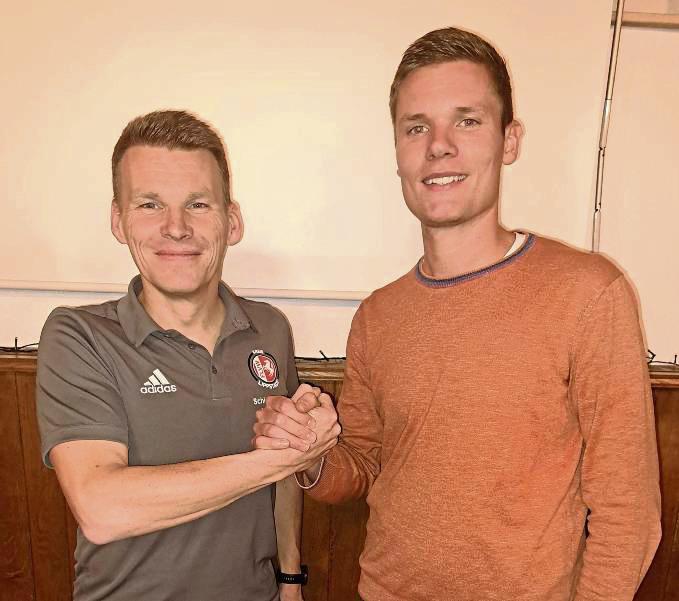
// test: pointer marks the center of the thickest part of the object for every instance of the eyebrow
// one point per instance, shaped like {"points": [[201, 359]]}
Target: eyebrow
{"points": [[147, 195], [465, 110], [196, 195], [155, 196], [460, 110]]}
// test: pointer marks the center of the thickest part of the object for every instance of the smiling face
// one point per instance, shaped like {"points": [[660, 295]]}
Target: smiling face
{"points": [[450, 145], [172, 215]]}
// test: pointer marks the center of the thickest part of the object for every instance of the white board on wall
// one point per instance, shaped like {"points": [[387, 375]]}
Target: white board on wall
{"points": [[299, 92]]}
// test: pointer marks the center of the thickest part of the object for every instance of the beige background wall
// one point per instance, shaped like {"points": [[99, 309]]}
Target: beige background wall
{"points": [[640, 226], [299, 93]]}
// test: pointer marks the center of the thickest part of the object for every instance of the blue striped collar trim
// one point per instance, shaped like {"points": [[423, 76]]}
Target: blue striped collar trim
{"points": [[445, 283]]}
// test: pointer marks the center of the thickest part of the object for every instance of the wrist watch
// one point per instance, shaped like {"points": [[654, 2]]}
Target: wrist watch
{"points": [[301, 578]]}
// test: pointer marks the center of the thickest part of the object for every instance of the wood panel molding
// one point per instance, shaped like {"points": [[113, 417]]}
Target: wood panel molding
{"points": [[648, 20], [664, 376], [322, 370]]}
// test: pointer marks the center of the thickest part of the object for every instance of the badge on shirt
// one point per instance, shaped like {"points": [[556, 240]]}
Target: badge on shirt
{"points": [[263, 368]]}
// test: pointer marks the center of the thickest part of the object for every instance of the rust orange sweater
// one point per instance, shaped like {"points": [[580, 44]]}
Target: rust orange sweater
{"points": [[484, 416]]}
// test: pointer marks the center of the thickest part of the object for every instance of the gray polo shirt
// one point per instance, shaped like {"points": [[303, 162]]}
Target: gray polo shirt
{"points": [[109, 372]]}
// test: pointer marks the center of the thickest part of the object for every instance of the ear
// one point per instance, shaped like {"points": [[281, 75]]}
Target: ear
{"points": [[116, 223], [512, 145], [234, 224]]}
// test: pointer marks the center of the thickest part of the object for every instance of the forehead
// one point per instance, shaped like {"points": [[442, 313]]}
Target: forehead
{"points": [[453, 83], [142, 165]]}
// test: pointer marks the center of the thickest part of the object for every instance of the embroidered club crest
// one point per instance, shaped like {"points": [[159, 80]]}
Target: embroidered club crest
{"points": [[263, 368]]}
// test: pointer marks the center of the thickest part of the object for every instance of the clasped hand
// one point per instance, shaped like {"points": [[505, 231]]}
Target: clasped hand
{"points": [[307, 422]]}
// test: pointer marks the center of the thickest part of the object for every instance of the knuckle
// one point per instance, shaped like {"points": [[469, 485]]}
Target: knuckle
{"points": [[265, 430]]}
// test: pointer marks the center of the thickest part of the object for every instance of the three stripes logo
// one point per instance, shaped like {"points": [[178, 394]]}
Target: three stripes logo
{"points": [[157, 383]]}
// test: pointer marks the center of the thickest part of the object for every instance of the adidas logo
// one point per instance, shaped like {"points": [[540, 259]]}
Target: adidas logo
{"points": [[157, 383]]}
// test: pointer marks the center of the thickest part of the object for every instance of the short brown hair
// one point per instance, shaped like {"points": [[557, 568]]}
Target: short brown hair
{"points": [[452, 44], [171, 129]]}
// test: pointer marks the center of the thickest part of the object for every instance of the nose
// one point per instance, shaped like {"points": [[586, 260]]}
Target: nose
{"points": [[442, 142], [175, 225]]}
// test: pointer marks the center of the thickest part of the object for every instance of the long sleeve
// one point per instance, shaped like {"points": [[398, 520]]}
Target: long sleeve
{"points": [[352, 466], [619, 477]]}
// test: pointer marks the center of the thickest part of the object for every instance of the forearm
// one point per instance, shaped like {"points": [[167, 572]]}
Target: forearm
{"points": [[312, 474], [288, 514], [619, 550], [347, 474], [118, 501]]}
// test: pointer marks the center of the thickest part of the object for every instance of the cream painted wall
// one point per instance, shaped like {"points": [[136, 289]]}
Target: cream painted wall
{"points": [[640, 218], [299, 92], [549, 190]]}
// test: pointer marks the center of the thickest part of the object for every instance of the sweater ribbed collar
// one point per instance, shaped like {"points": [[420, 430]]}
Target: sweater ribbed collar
{"points": [[447, 282]]}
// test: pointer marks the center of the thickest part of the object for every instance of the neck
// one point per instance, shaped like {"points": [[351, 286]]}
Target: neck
{"points": [[198, 316], [453, 251]]}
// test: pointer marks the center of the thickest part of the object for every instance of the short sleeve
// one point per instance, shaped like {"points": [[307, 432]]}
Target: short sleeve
{"points": [[77, 396], [291, 380]]}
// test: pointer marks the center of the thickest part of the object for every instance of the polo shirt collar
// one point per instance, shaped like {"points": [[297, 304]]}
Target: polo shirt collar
{"points": [[138, 325], [236, 315]]}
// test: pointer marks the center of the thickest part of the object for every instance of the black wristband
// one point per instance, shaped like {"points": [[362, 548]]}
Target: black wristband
{"points": [[301, 578]]}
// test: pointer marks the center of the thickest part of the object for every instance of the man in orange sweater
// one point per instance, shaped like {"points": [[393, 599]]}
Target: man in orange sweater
{"points": [[496, 407]]}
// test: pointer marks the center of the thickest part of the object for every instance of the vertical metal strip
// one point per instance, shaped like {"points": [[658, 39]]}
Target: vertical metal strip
{"points": [[605, 119]]}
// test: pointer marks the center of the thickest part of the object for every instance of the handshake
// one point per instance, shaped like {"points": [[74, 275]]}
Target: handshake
{"points": [[306, 422]]}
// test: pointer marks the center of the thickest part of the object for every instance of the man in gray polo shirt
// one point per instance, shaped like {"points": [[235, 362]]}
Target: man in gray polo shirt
{"points": [[146, 404]]}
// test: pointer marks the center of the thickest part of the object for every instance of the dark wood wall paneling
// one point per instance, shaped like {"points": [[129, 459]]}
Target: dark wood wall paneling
{"points": [[662, 581], [16, 567], [37, 531]]}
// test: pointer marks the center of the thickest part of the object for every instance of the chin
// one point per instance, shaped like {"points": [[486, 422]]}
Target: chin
{"points": [[441, 221], [437, 216], [175, 286]]}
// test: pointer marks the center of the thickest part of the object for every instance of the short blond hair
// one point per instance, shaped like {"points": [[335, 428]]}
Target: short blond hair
{"points": [[171, 129], [452, 44]]}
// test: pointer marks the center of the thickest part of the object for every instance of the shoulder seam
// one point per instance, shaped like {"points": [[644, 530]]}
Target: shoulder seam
{"points": [[585, 313]]}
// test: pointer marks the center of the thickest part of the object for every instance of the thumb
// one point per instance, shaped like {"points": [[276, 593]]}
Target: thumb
{"points": [[302, 389], [306, 403]]}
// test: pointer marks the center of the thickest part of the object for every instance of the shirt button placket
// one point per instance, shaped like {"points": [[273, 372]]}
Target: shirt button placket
{"points": [[214, 385]]}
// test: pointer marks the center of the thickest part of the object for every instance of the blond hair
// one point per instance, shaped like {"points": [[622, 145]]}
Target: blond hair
{"points": [[452, 44], [171, 129]]}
